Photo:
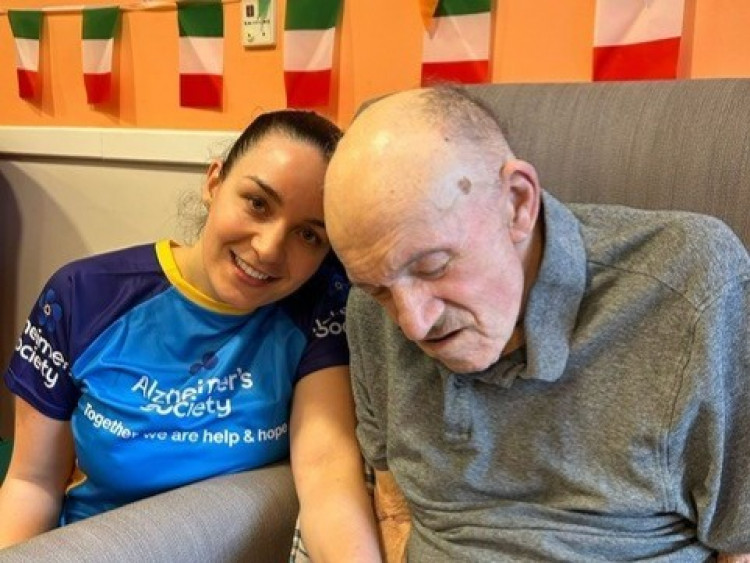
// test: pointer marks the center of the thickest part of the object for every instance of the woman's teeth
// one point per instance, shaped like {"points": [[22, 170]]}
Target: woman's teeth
{"points": [[249, 270]]}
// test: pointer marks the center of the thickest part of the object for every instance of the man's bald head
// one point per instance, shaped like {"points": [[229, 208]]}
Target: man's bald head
{"points": [[434, 146]]}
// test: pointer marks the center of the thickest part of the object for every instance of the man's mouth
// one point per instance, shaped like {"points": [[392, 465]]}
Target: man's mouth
{"points": [[443, 337]]}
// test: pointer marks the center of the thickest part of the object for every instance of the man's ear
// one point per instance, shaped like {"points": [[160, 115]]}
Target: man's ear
{"points": [[212, 182], [524, 197]]}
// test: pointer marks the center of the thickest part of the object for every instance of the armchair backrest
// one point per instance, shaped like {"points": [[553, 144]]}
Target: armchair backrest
{"points": [[677, 144]]}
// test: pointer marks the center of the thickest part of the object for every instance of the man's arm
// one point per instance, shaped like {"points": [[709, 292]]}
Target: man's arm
{"points": [[394, 518], [713, 444], [736, 558]]}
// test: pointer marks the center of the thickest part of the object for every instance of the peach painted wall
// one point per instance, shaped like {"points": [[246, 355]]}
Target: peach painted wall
{"points": [[378, 50]]}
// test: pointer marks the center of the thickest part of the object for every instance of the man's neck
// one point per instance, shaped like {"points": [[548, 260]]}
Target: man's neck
{"points": [[532, 261]]}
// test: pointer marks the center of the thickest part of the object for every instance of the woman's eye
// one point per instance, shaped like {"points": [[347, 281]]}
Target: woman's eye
{"points": [[257, 204], [310, 237]]}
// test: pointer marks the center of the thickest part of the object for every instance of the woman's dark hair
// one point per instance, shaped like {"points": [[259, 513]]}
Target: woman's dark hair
{"points": [[306, 126]]}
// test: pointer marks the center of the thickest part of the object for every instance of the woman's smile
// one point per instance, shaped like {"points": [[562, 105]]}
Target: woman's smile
{"points": [[249, 271]]}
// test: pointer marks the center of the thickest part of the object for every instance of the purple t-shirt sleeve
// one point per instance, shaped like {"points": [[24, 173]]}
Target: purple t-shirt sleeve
{"points": [[40, 366], [325, 297]]}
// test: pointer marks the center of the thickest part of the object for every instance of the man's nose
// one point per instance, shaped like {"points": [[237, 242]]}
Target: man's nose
{"points": [[413, 310]]}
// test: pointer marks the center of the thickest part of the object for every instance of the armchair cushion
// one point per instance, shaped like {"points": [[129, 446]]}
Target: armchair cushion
{"points": [[246, 516]]}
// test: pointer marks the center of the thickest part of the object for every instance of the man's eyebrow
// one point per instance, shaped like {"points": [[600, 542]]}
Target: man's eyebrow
{"points": [[276, 196], [411, 260]]}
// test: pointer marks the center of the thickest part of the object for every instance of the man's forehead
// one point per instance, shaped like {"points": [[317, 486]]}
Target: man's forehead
{"points": [[399, 248], [412, 208], [384, 151]]}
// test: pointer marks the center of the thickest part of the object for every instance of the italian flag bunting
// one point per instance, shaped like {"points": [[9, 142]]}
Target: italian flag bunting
{"points": [[427, 10], [27, 30], [98, 33], [456, 48], [309, 31], [637, 39], [263, 7], [201, 53]]}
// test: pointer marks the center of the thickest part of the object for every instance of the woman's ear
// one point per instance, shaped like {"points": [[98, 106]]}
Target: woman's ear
{"points": [[524, 197], [212, 182]]}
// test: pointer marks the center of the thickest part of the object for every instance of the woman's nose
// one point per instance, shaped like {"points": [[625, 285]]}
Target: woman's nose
{"points": [[268, 243]]}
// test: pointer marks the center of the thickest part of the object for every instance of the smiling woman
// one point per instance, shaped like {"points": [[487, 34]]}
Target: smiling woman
{"points": [[196, 360], [264, 234]]}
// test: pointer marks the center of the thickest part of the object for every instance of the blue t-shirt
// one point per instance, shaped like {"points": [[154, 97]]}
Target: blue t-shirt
{"points": [[164, 386]]}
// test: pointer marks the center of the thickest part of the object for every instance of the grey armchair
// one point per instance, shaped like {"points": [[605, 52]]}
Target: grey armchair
{"points": [[242, 517]]}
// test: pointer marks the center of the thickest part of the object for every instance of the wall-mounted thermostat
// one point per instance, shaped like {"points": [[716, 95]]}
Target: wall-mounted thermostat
{"points": [[258, 22]]}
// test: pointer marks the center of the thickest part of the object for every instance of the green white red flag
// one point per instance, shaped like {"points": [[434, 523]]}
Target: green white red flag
{"points": [[98, 36], [26, 26], [456, 47], [637, 39], [427, 11], [201, 26], [309, 32]]}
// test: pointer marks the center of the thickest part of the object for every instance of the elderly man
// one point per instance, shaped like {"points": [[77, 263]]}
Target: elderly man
{"points": [[541, 381]]}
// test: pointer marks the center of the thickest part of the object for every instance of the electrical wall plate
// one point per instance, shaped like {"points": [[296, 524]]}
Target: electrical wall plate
{"points": [[258, 19]]}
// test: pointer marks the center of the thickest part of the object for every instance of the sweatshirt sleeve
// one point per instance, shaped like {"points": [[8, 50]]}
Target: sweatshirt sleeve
{"points": [[709, 452]]}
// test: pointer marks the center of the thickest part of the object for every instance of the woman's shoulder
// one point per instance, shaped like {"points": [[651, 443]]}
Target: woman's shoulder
{"points": [[124, 277], [321, 301], [329, 284], [139, 259]]}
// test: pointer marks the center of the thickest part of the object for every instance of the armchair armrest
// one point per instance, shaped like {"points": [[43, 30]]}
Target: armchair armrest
{"points": [[247, 516]]}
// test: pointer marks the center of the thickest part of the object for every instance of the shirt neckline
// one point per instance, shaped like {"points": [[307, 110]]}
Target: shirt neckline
{"points": [[165, 256]]}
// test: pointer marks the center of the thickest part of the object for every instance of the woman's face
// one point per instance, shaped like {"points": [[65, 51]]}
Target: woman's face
{"points": [[264, 236]]}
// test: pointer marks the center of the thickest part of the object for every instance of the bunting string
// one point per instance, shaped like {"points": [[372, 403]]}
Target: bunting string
{"points": [[633, 40], [129, 7]]}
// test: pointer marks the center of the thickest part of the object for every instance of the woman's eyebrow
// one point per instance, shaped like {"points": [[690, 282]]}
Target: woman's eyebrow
{"points": [[276, 196], [270, 192], [317, 223]]}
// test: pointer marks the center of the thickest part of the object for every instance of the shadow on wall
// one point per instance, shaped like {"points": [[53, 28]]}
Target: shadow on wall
{"points": [[38, 236], [54, 210], [10, 231]]}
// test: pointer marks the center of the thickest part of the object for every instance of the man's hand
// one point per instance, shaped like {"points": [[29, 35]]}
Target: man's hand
{"points": [[393, 516]]}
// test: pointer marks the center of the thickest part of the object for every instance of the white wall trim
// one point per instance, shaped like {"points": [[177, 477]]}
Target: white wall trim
{"points": [[175, 146]]}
